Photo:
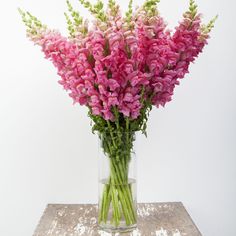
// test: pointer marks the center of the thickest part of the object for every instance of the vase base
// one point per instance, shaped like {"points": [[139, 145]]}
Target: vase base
{"points": [[117, 229]]}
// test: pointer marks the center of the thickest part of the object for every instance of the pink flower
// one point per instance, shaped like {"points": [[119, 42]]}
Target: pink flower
{"points": [[128, 97], [115, 65], [112, 101], [125, 110], [96, 110], [113, 84], [107, 114]]}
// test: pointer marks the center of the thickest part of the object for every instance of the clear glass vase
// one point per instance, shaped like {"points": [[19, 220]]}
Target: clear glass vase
{"points": [[117, 208]]}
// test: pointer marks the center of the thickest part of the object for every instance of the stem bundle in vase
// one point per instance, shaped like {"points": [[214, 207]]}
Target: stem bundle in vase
{"points": [[120, 66], [117, 193]]}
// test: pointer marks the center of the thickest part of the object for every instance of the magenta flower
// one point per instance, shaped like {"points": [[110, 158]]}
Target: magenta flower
{"points": [[122, 63]]}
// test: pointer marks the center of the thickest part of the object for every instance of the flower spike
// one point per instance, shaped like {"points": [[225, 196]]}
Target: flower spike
{"points": [[150, 6], [78, 20], [96, 10], [32, 23], [193, 8], [70, 25], [129, 13], [113, 7], [129, 62], [191, 14], [75, 22], [206, 29]]}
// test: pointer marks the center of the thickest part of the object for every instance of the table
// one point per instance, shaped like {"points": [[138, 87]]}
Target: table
{"points": [[157, 219]]}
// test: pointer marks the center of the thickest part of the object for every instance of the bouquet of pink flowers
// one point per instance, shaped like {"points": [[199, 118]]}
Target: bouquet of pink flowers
{"points": [[119, 67]]}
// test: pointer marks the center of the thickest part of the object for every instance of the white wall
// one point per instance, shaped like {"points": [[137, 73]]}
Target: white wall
{"points": [[48, 154]]}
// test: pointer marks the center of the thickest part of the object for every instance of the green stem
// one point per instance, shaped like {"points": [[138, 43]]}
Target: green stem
{"points": [[111, 133], [107, 202], [122, 196], [117, 192], [126, 191]]}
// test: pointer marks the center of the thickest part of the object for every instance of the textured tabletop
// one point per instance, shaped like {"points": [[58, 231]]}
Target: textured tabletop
{"points": [[158, 219]]}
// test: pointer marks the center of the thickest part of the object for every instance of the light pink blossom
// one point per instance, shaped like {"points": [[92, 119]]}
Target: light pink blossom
{"points": [[120, 66]]}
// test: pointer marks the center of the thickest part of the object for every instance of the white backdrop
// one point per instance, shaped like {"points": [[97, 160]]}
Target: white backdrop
{"points": [[48, 154]]}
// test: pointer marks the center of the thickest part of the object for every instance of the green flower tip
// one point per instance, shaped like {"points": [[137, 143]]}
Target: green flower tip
{"points": [[113, 7], [74, 21], [23, 14], [31, 22], [130, 4], [150, 6], [212, 22], [99, 5], [20, 11], [96, 10], [206, 29], [193, 8], [111, 4], [129, 13]]}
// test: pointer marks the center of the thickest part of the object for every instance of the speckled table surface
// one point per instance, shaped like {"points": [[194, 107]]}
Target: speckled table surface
{"points": [[157, 219]]}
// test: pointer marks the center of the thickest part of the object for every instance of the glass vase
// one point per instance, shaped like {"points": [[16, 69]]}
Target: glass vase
{"points": [[117, 208]]}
